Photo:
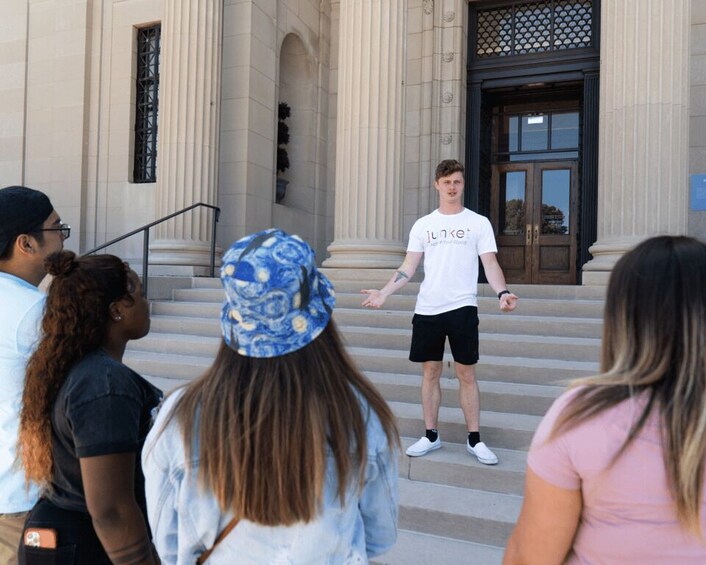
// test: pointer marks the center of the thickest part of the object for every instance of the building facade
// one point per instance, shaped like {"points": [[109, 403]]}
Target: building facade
{"points": [[582, 123]]}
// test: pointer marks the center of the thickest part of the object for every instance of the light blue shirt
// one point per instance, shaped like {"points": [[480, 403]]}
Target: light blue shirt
{"points": [[21, 308], [185, 520]]}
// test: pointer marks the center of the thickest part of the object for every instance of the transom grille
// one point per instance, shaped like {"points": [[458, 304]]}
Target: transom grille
{"points": [[534, 27]]}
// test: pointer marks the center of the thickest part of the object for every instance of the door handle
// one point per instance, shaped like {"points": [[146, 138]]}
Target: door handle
{"points": [[536, 233], [528, 234]]}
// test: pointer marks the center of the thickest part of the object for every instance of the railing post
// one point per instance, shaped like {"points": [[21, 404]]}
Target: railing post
{"points": [[145, 262], [213, 242]]}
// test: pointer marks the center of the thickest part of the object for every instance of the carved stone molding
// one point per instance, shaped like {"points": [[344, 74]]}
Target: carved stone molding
{"points": [[447, 97], [428, 7], [449, 16], [448, 57], [446, 139]]}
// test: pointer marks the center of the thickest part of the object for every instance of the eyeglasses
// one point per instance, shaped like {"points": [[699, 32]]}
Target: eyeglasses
{"points": [[65, 230]]}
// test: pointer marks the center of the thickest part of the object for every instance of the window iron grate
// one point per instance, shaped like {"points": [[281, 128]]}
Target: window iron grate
{"points": [[535, 27], [146, 104]]}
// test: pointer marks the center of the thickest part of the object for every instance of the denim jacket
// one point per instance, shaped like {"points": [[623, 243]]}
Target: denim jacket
{"points": [[186, 520]]}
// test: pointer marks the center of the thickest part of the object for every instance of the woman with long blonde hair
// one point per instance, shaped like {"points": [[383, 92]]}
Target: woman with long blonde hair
{"points": [[282, 452], [616, 468], [84, 418]]}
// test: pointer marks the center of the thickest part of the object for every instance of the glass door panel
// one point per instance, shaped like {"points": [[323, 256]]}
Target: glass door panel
{"points": [[512, 202], [556, 199]]}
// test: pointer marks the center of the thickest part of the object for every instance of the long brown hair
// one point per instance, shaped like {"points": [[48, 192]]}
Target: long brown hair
{"points": [[654, 341], [75, 322], [265, 425]]}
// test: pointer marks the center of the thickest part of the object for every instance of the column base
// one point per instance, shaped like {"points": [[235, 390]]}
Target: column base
{"points": [[364, 254], [182, 257], [606, 254]]}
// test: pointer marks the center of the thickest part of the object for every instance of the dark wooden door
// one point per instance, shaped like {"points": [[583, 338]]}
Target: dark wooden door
{"points": [[534, 213]]}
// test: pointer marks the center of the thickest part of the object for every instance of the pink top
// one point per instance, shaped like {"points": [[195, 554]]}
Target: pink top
{"points": [[628, 515]]}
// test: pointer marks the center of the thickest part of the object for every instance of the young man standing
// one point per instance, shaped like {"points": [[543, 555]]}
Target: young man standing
{"points": [[451, 239], [30, 230]]}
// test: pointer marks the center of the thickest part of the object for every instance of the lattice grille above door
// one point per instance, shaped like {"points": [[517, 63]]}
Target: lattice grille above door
{"points": [[534, 27]]}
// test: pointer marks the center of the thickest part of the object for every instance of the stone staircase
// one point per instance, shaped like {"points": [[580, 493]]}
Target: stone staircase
{"points": [[453, 510]]}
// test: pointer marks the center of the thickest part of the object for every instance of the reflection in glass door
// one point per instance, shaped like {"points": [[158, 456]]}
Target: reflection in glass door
{"points": [[534, 211], [512, 202]]}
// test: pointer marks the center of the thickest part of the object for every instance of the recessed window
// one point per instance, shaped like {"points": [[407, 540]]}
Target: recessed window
{"points": [[146, 104], [538, 135], [565, 130], [535, 133]]}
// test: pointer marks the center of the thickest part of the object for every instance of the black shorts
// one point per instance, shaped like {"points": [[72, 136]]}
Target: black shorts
{"points": [[429, 336]]}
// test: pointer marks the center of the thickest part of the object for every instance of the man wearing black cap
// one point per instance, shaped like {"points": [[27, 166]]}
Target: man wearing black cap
{"points": [[30, 229]]}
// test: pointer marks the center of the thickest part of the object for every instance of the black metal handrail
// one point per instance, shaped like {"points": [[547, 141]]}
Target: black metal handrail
{"points": [[146, 239]]}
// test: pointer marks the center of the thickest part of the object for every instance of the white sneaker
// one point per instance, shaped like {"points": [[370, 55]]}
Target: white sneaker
{"points": [[423, 446], [482, 453]]}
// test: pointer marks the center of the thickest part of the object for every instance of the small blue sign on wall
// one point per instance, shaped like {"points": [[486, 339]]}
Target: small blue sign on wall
{"points": [[698, 192]]}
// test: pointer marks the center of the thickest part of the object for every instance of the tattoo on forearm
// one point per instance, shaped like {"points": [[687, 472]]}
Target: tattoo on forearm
{"points": [[138, 552], [401, 275]]}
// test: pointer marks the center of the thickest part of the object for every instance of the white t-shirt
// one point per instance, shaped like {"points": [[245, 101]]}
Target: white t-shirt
{"points": [[451, 244], [21, 305]]}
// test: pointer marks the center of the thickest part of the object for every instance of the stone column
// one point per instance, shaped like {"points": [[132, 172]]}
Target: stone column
{"points": [[369, 146], [643, 128], [187, 152]]}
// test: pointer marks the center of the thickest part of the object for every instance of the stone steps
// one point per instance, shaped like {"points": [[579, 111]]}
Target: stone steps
{"points": [[532, 306], [193, 323], [488, 305], [459, 513], [534, 346], [452, 508], [493, 368], [452, 465], [497, 396], [501, 429], [351, 281], [490, 322], [426, 549]]}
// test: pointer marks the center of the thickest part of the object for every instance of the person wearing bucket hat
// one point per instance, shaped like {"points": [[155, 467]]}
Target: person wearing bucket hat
{"points": [[282, 450], [276, 300], [30, 229]]}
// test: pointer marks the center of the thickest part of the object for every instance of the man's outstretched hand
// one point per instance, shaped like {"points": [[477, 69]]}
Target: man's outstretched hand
{"points": [[375, 298], [508, 302]]}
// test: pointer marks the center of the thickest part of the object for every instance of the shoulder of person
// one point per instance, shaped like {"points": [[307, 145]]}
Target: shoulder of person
{"points": [[166, 406], [420, 222], [475, 215], [18, 294], [98, 374], [164, 442]]}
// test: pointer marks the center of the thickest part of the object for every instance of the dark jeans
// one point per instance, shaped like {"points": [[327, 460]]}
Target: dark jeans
{"points": [[77, 543]]}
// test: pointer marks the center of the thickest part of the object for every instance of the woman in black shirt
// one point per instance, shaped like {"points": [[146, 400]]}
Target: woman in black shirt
{"points": [[85, 416]]}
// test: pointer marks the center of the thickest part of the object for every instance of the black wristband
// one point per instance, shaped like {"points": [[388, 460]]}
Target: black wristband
{"points": [[506, 291]]}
